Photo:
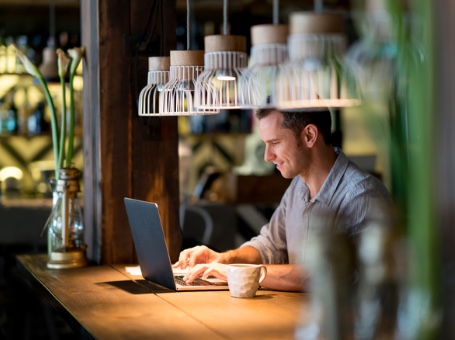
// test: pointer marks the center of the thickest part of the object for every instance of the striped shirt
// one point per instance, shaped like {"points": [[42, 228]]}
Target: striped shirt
{"points": [[349, 195]]}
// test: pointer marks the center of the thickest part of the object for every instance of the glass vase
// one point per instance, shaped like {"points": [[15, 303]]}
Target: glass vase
{"points": [[66, 247]]}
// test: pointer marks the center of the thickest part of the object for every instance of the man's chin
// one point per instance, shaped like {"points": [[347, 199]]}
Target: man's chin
{"points": [[285, 175]]}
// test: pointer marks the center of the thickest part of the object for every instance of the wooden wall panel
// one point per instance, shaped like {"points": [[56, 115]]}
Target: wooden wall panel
{"points": [[137, 157]]}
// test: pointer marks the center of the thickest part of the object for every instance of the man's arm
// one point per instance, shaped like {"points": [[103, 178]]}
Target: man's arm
{"points": [[286, 277], [202, 254], [244, 254]]}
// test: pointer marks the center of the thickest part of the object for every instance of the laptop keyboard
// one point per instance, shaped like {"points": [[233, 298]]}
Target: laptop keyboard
{"points": [[196, 282]]}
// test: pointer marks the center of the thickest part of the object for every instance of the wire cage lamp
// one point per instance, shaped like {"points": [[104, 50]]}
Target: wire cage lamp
{"points": [[158, 76], [268, 50], [372, 58], [225, 82], [315, 76], [177, 96]]}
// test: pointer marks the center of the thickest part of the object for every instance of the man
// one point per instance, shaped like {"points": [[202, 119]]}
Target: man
{"points": [[324, 183]]}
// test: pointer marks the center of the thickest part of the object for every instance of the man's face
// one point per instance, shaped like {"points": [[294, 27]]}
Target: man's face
{"points": [[282, 147]]}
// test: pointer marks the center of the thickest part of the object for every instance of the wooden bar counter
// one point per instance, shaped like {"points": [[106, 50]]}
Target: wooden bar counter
{"points": [[105, 302]]}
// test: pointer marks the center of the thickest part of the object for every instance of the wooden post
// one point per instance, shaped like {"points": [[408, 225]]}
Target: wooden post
{"points": [[125, 155]]}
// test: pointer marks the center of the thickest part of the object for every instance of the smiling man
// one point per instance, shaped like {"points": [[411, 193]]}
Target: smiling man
{"points": [[325, 183]]}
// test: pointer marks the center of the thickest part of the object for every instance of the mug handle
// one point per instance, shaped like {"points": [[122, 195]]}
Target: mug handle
{"points": [[263, 273]]}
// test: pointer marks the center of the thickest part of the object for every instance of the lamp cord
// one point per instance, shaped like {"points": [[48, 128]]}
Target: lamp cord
{"points": [[188, 24], [225, 17], [52, 22], [144, 39], [275, 12]]}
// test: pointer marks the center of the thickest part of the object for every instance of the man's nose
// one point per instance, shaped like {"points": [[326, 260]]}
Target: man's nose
{"points": [[268, 155]]}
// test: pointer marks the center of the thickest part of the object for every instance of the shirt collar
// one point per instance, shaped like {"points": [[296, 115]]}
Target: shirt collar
{"points": [[333, 179]]}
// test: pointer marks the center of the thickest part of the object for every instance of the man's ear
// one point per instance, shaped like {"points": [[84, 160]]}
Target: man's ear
{"points": [[309, 135]]}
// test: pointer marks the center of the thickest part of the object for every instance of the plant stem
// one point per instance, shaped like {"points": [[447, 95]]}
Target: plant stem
{"points": [[54, 127], [61, 154], [69, 154]]}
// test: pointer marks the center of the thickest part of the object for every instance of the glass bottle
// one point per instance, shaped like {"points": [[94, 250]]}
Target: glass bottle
{"points": [[76, 223], [55, 240], [74, 233], [66, 247]]}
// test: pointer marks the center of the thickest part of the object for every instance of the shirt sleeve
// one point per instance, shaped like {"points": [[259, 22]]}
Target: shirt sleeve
{"points": [[271, 241]]}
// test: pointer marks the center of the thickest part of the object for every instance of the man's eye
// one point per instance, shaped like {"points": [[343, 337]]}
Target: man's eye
{"points": [[275, 143]]}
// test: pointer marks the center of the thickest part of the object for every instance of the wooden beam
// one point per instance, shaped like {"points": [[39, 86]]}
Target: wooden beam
{"points": [[124, 154]]}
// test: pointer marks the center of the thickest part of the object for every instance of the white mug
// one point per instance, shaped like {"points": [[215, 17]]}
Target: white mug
{"points": [[244, 279]]}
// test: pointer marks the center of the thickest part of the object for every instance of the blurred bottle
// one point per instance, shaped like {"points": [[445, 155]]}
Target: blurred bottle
{"points": [[23, 45], [380, 252], [21, 103], [36, 123], [63, 40], [11, 58], [12, 121], [9, 117], [2, 54], [3, 119], [329, 257]]}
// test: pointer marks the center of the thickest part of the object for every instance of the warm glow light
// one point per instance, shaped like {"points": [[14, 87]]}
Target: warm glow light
{"points": [[222, 77], [226, 78], [78, 83], [7, 83], [11, 172], [225, 82]]}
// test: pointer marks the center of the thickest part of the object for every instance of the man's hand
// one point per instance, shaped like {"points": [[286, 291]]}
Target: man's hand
{"points": [[199, 254], [205, 270]]}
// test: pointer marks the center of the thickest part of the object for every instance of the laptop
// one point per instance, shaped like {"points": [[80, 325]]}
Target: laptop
{"points": [[152, 252]]}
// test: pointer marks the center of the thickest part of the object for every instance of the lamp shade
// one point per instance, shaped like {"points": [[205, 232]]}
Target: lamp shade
{"points": [[224, 83], [372, 59], [49, 66], [177, 96], [158, 76], [315, 76], [268, 51]]}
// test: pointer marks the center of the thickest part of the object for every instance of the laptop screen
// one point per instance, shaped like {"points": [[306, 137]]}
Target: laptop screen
{"points": [[152, 251], [149, 241]]}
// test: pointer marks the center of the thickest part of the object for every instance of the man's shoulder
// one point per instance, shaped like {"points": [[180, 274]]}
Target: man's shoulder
{"points": [[361, 180]]}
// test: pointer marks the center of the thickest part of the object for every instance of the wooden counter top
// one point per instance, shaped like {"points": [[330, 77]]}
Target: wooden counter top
{"points": [[106, 302]]}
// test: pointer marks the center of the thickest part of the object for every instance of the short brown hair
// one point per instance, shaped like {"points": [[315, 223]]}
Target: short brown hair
{"points": [[298, 120]]}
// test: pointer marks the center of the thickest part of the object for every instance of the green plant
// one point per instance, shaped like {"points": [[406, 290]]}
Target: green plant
{"points": [[63, 143], [411, 107]]}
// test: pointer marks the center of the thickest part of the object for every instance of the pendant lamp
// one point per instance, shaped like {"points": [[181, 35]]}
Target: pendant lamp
{"points": [[177, 96], [315, 77], [225, 82], [158, 76], [268, 51], [372, 58], [49, 65]]}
